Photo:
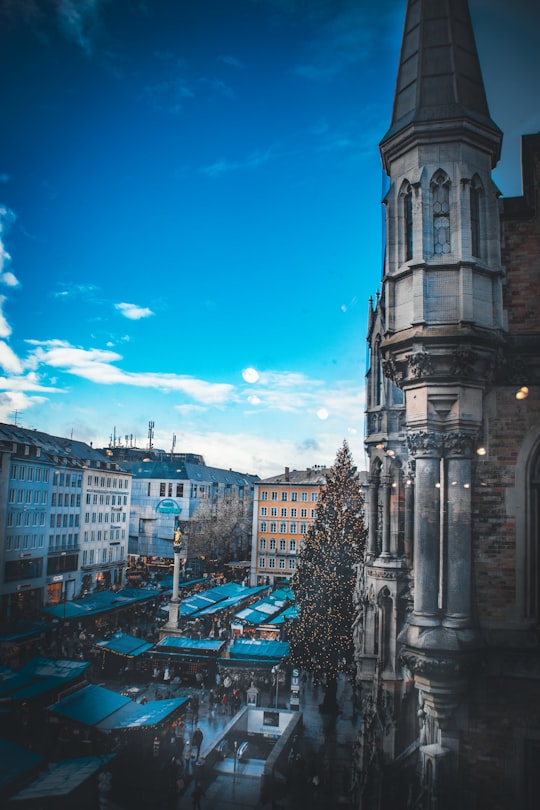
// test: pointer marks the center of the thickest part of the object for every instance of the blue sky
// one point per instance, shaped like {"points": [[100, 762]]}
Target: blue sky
{"points": [[190, 214]]}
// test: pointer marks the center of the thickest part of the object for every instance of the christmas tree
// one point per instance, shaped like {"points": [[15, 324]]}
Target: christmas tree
{"points": [[320, 637]]}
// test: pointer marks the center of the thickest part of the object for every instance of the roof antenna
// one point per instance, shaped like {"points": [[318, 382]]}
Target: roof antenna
{"points": [[150, 434]]}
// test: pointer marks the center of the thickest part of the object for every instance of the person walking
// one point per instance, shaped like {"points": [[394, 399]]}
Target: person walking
{"points": [[187, 754], [196, 741], [198, 792]]}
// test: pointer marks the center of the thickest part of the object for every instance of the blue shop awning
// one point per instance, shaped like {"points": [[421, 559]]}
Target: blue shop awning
{"points": [[142, 716], [181, 644], [62, 779], [16, 762], [258, 649], [90, 705], [102, 602], [124, 644]]}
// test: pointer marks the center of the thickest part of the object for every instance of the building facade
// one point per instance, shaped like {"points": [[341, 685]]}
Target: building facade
{"points": [[63, 521], [167, 491], [284, 507], [447, 652]]}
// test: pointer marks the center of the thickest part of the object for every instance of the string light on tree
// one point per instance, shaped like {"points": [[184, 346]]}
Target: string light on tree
{"points": [[323, 584]]}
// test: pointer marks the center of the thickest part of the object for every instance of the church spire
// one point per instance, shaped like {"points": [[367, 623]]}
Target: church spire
{"points": [[439, 81]]}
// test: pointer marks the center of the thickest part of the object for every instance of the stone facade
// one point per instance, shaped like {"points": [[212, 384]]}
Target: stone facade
{"points": [[447, 653]]}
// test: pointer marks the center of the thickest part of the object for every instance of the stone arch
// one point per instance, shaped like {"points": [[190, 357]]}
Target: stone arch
{"points": [[527, 513]]}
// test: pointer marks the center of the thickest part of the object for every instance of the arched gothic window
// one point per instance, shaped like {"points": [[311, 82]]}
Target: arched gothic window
{"points": [[475, 200], [440, 194], [377, 370]]}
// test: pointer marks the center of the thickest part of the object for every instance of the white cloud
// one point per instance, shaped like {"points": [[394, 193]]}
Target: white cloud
{"points": [[9, 279], [133, 312], [79, 19], [15, 402], [96, 365], [9, 360], [5, 328]]}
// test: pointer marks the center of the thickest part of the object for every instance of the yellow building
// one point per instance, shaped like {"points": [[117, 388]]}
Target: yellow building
{"points": [[284, 507]]}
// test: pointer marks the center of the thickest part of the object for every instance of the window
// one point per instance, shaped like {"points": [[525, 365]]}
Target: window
{"points": [[303, 513], [272, 544], [262, 543], [313, 513], [475, 200], [264, 511], [262, 562], [440, 194], [271, 562], [294, 496], [292, 562], [273, 528], [284, 496], [149, 489], [303, 497], [273, 511], [406, 196], [264, 495], [281, 562], [274, 495], [282, 528], [179, 490], [162, 489], [292, 529], [303, 528], [282, 544], [314, 497], [283, 512], [262, 526], [293, 512], [292, 545], [169, 489]]}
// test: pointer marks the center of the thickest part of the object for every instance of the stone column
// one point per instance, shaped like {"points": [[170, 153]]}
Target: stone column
{"points": [[373, 501], [387, 490], [458, 563], [408, 527], [174, 604], [427, 447]]}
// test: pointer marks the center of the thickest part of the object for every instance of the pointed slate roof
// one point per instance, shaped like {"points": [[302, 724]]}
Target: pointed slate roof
{"points": [[439, 77]]}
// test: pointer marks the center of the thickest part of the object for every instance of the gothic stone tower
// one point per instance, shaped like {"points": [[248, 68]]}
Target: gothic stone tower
{"points": [[442, 359]]}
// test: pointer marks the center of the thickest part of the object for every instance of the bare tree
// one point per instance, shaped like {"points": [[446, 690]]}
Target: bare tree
{"points": [[221, 530]]}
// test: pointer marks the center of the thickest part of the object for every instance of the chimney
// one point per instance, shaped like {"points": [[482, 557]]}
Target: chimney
{"points": [[287, 474]]}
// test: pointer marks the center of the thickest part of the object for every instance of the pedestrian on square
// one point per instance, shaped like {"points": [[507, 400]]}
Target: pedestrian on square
{"points": [[196, 741], [198, 792], [187, 754]]}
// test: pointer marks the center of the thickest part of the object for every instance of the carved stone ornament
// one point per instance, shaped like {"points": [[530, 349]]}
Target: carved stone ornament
{"points": [[463, 362], [432, 666], [425, 442], [460, 443], [456, 443], [419, 364], [390, 370]]}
